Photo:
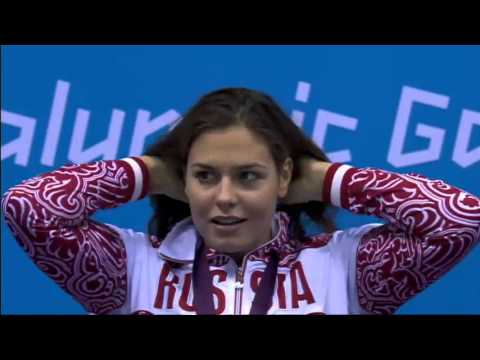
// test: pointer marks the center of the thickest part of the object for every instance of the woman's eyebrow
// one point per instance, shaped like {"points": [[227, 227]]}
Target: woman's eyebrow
{"points": [[243, 166]]}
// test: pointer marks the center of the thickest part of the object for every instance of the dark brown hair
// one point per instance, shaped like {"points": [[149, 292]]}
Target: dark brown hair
{"points": [[259, 113]]}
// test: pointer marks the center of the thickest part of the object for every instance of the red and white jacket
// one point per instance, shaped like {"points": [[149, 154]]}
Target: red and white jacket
{"points": [[374, 268]]}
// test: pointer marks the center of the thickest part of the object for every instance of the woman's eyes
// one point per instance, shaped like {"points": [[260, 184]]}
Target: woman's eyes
{"points": [[244, 176], [202, 175]]}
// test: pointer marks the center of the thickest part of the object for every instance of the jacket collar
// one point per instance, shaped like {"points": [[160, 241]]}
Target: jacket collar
{"points": [[181, 242]]}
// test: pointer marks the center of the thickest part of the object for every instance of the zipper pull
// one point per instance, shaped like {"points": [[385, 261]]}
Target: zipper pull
{"points": [[239, 275]]}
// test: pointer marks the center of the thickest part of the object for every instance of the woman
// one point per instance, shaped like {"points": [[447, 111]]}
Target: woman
{"points": [[229, 185]]}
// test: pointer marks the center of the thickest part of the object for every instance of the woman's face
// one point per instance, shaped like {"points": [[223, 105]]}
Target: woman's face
{"points": [[231, 173]]}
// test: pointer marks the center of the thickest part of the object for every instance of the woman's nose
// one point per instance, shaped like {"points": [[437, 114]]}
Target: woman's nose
{"points": [[226, 192]]}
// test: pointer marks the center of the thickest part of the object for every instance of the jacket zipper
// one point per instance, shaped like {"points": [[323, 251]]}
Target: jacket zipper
{"points": [[239, 274], [238, 291]]}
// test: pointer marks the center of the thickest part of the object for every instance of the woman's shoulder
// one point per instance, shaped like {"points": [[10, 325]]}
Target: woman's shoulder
{"points": [[131, 237], [339, 237]]}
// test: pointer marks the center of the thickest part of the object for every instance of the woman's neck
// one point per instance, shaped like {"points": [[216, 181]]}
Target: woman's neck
{"points": [[239, 256]]}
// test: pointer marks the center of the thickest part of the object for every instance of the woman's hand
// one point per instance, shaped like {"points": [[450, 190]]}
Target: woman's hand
{"points": [[163, 179], [309, 185]]}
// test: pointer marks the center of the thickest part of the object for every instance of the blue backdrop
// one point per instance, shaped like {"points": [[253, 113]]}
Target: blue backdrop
{"points": [[401, 108]]}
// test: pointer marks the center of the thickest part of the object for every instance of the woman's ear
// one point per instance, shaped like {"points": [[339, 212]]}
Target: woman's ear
{"points": [[285, 177]]}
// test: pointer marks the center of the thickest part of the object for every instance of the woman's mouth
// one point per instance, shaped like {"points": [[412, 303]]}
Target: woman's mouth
{"points": [[228, 227]]}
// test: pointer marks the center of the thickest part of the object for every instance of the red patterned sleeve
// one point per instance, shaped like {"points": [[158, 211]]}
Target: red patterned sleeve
{"points": [[49, 215], [430, 227]]}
